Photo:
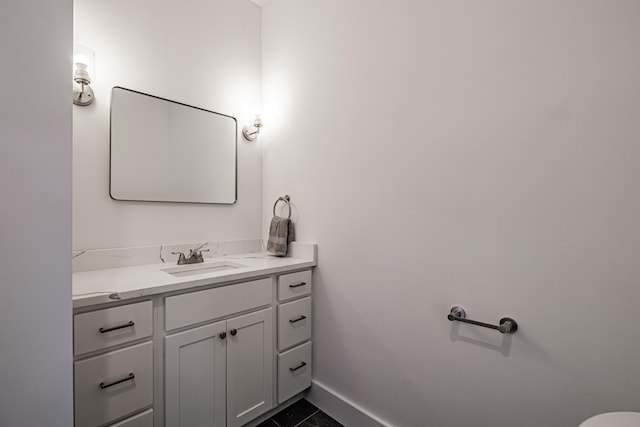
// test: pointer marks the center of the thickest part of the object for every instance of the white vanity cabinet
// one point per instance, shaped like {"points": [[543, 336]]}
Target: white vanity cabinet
{"points": [[220, 355]]}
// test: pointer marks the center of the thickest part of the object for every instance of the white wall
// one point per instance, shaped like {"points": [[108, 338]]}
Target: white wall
{"points": [[202, 53], [35, 219], [475, 153]]}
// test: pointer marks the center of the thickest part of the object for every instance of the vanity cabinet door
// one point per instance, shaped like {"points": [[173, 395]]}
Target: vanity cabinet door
{"points": [[294, 285], [101, 329], [294, 371], [249, 366], [294, 323], [195, 383], [113, 385]]}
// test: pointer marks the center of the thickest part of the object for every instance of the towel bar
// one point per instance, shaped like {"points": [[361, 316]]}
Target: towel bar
{"points": [[286, 199], [507, 325]]}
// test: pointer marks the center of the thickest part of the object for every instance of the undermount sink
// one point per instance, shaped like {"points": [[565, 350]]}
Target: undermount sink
{"points": [[201, 268]]}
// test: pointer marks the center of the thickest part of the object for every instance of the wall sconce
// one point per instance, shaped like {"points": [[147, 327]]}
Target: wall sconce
{"points": [[84, 73], [248, 133]]}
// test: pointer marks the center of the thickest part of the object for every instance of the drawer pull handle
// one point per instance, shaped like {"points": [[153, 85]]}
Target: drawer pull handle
{"points": [[233, 332], [300, 366], [129, 378], [115, 328], [297, 319], [223, 335], [297, 285]]}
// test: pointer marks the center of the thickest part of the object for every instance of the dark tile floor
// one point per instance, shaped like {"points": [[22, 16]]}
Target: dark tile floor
{"points": [[300, 414]]}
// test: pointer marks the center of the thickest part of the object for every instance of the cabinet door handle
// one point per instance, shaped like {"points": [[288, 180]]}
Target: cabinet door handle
{"points": [[115, 328], [233, 332], [301, 365], [297, 319], [297, 285], [128, 378], [222, 335]]}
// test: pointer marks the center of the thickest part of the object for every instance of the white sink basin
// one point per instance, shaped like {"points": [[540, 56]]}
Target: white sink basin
{"points": [[201, 268]]}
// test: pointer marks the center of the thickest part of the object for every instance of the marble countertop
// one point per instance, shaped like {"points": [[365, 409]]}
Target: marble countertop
{"points": [[114, 284]]}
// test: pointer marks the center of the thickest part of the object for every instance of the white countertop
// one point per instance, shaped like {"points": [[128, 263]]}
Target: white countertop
{"points": [[114, 284]]}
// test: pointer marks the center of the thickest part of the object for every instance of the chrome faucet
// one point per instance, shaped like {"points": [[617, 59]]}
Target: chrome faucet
{"points": [[195, 255]]}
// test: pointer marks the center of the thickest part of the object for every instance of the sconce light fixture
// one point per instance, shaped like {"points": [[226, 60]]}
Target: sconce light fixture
{"points": [[84, 73], [248, 132]]}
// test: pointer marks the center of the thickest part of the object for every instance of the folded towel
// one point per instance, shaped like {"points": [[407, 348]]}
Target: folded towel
{"points": [[280, 235]]}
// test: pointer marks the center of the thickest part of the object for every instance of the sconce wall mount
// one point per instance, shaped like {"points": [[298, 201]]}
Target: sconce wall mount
{"points": [[248, 131], [82, 92]]}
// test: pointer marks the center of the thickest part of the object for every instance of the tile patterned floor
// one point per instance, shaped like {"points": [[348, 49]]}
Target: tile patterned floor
{"points": [[300, 414]]}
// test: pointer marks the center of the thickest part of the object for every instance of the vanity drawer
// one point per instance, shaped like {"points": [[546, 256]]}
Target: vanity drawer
{"points": [[294, 323], [113, 385], [201, 306], [294, 371], [294, 285], [117, 325], [144, 419]]}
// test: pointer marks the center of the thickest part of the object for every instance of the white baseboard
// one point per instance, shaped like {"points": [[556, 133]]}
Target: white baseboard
{"points": [[342, 409]]}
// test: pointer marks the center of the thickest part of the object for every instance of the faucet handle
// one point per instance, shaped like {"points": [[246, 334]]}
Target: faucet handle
{"points": [[197, 254], [197, 251], [181, 258], [199, 247]]}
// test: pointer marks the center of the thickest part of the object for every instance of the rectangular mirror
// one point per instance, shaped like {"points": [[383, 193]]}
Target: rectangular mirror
{"points": [[165, 151]]}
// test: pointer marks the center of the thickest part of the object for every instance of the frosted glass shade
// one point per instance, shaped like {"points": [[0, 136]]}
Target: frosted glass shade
{"points": [[84, 63]]}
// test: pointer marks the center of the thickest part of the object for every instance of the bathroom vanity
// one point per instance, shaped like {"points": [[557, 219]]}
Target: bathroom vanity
{"points": [[219, 343]]}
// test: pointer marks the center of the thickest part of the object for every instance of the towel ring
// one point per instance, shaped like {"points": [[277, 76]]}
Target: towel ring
{"points": [[286, 199]]}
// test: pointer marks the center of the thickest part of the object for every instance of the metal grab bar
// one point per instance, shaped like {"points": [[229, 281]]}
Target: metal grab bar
{"points": [[507, 325]]}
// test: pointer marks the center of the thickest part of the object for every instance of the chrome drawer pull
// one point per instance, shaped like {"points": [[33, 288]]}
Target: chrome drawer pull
{"points": [[297, 285], [301, 365], [297, 319], [115, 328], [130, 377]]}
